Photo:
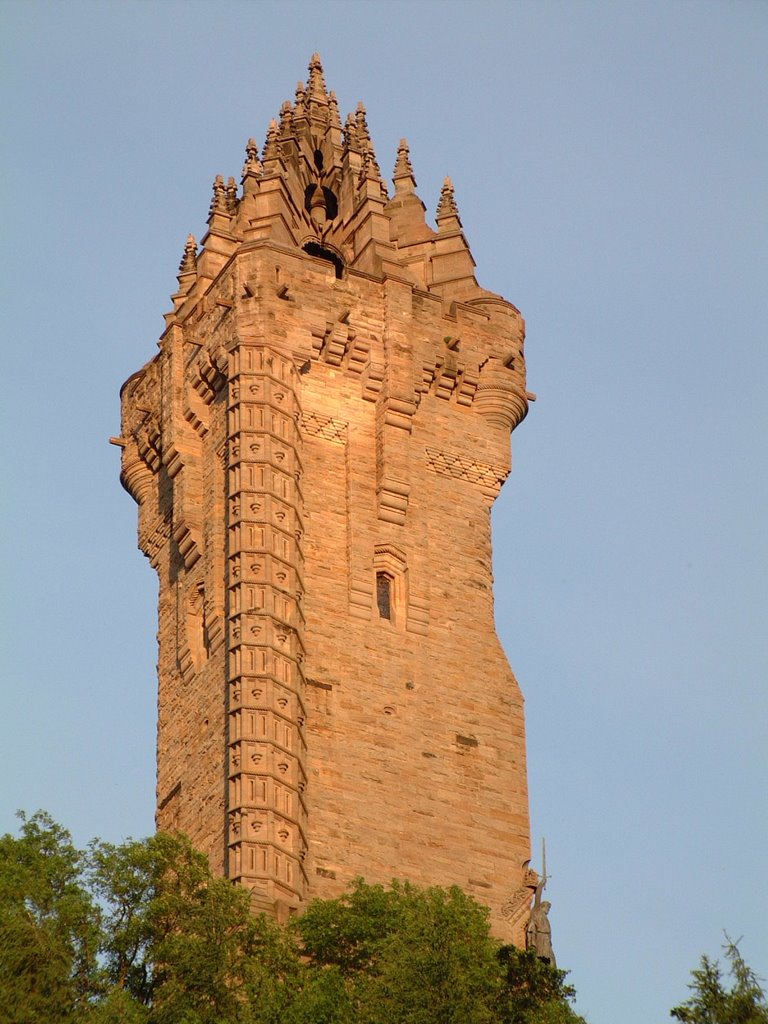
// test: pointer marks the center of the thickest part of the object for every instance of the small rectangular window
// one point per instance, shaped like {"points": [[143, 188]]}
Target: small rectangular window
{"points": [[384, 595]]}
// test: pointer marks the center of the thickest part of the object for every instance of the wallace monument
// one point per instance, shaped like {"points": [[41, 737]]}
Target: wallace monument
{"points": [[314, 450]]}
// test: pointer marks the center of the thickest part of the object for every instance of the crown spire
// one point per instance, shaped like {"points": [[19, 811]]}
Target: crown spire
{"points": [[316, 81], [403, 178]]}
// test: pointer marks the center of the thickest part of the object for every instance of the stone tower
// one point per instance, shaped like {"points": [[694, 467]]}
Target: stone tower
{"points": [[314, 451]]}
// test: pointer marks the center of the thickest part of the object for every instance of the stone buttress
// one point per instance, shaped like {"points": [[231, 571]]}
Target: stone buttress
{"points": [[315, 450]]}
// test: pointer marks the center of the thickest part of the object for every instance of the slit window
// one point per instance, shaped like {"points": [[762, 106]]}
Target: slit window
{"points": [[384, 595]]}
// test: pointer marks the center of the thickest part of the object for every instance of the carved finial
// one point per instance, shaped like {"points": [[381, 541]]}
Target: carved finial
{"points": [[286, 120], [365, 168], [316, 83], [350, 133], [231, 196], [370, 168], [271, 146], [188, 263], [403, 175], [446, 206], [363, 134], [300, 97], [219, 200], [251, 156], [251, 168], [335, 118]]}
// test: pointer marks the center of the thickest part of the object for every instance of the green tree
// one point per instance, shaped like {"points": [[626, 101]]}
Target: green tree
{"points": [[49, 926], [534, 991], [183, 944], [712, 1003], [426, 956], [142, 933]]}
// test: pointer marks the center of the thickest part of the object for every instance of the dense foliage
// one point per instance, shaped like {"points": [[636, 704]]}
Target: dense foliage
{"points": [[712, 1003], [142, 933]]}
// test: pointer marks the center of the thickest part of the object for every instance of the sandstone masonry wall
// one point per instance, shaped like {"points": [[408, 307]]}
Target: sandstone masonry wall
{"points": [[315, 450]]}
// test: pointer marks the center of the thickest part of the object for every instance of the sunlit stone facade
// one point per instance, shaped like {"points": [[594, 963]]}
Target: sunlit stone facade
{"points": [[314, 451]]}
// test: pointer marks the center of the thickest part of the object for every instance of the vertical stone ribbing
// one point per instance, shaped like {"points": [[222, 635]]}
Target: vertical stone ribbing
{"points": [[266, 744]]}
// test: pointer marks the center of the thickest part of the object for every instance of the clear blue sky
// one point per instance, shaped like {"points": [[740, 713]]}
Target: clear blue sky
{"points": [[610, 163]]}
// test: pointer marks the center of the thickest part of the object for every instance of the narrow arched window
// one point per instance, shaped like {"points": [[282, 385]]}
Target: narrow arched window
{"points": [[384, 595]]}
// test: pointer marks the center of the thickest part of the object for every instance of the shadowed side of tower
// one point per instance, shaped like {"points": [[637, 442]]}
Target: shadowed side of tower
{"points": [[314, 451]]}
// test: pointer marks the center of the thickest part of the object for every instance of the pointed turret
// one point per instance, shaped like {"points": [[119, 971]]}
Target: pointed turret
{"points": [[363, 135], [371, 175], [286, 120], [351, 142], [219, 198], [231, 196], [218, 242], [453, 269], [300, 109], [187, 272], [271, 147], [407, 213], [447, 216], [403, 178], [446, 205], [251, 168]]}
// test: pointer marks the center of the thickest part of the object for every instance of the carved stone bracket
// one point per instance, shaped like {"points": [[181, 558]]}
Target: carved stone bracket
{"points": [[449, 380]]}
